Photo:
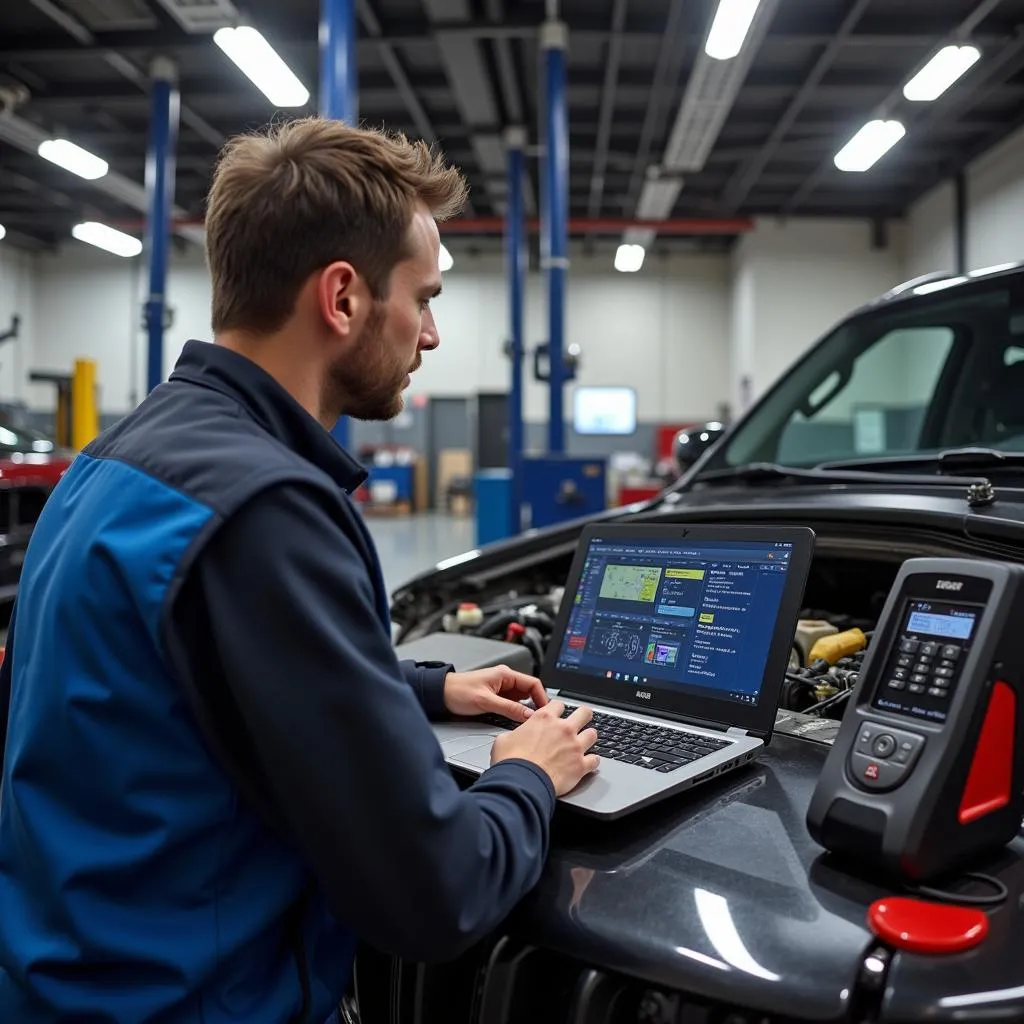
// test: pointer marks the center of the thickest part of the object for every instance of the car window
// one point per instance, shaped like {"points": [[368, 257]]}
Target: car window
{"points": [[881, 409], [917, 375]]}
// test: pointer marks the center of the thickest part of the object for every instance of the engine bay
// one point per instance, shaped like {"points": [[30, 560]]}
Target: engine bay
{"points": [[850, 577]]}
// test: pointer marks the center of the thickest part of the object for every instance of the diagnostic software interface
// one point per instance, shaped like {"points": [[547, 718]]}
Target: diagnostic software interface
{"points": [[695, 617]]}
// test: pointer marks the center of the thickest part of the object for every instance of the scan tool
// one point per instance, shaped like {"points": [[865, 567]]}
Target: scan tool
{"points": [[926, 774]]}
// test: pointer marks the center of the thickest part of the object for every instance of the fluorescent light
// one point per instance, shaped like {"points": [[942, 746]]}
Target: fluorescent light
{"points": [[869, 145], [629, 258], [730, 27], [261, 63], [949, 64], [73, 158], [104, 237], [444, 259], [3, 232]]}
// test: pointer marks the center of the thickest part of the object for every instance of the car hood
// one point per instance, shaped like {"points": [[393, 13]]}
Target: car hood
{"points": [[943, 508]]}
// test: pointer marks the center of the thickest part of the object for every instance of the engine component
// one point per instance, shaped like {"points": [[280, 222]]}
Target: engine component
{"points": [[834, 648], [469, 615], [467, 653], [808, 633]]}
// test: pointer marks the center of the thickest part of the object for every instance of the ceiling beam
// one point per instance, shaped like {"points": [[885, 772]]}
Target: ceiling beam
{"points": [[26, 136], [32, 47], [660, 84], [386, 52], [84, 37], [604, 119], [472, 87], [743, 181], [964, 27]]}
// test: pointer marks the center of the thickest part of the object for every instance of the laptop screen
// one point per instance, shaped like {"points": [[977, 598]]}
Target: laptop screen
{"points": [[691, 617]]}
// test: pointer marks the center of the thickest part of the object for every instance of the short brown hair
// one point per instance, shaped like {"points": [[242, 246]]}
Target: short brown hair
{"points": [[300, 195]]}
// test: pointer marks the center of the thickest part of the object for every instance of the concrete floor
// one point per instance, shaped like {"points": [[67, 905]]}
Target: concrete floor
{"points": [[409, 545]]}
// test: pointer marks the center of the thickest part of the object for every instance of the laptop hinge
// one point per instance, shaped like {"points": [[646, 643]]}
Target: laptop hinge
{"points": [[669, 716]]}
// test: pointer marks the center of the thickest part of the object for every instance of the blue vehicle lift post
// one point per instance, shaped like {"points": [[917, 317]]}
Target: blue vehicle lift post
{"points": [[555, 218], [165, 105], [515, 240], [339, 95]]}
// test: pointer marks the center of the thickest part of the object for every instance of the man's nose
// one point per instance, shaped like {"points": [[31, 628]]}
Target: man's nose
{"points": [[428, 332]]}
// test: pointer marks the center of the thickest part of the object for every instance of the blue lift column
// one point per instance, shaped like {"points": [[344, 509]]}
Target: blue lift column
{"points": [[557, 487], [339, 95], [515, 261], [555, 219], [163, 140]]}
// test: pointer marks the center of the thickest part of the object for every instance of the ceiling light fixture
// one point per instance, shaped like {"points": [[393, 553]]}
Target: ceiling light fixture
{"points": [[869, 145], [730, 27], [949, 64], [262, 65], [444, 259], [73, 158], [629, 258], [3, 232], [110, 239]]}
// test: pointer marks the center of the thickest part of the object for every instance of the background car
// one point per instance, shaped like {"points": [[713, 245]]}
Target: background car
{"points": [[30, 466]]}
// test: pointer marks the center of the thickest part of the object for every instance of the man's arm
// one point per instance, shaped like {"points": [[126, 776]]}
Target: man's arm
{"points": [[415, 865], [427, 680]]}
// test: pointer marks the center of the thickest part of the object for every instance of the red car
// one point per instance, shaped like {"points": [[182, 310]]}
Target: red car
{"points": [[30, 466]]}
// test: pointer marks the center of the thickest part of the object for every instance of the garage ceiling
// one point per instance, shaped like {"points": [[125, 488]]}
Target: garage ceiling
{"points": [[643, 101]]}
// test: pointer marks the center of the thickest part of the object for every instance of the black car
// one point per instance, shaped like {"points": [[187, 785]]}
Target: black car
{"points": [[900, 434]]}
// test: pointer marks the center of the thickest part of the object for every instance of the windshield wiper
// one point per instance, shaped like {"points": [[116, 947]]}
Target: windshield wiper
{"points": [[770, 472], [950, 462]]}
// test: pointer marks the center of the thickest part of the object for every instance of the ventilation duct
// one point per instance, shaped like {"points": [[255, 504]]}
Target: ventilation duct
{"points": [[201, 15]]}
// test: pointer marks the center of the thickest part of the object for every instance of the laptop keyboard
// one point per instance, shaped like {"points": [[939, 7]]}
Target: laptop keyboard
{"points": [[641, 743]]}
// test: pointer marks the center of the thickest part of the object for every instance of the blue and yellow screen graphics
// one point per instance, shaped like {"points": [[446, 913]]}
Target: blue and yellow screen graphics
{"points": [[695, 617]]}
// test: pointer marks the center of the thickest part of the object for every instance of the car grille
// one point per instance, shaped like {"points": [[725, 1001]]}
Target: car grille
{"points": [[512, 982]]}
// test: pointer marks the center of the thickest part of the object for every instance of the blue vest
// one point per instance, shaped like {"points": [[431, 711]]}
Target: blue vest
{"points": [[136, 882]]}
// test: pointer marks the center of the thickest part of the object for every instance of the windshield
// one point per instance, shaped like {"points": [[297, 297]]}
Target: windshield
{"points": [[939, 370]]}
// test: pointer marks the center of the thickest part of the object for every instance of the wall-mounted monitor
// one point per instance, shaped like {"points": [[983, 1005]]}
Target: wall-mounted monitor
{"points": [[604, 410]]}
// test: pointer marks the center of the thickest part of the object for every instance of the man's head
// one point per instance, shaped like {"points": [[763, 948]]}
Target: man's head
{"points": [[324, 236]]}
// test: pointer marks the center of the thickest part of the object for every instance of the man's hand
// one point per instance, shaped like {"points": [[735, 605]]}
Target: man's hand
{"points": [[558, 746], [496, 690]]}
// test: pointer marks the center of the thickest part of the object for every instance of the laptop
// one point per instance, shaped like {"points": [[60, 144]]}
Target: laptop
{"points": [[678, 638]]}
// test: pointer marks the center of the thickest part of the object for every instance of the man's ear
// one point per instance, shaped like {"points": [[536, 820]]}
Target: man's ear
{"points": [[341, 297]]}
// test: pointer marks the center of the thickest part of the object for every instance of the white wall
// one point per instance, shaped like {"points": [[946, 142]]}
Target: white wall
{"points": [[995, 216], [793, 281], [995, 205], [17, 297], [663, 331], [89, 304], [930, 245]]}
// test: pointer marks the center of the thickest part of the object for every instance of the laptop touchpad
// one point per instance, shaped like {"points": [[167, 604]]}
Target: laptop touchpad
{"points": [[477, 757], [462, 743]]}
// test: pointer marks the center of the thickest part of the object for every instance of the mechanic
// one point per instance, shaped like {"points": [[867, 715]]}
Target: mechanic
{"points": [[217, 776]]}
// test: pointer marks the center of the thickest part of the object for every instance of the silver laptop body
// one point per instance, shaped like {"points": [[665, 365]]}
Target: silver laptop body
{"points": [[657, 599]]}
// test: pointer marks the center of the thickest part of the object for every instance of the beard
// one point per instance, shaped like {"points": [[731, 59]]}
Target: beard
{"points": [[368, 384]]}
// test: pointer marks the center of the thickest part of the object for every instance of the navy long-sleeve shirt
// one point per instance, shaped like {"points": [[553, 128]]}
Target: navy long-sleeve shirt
{"points": [[329, 733]]}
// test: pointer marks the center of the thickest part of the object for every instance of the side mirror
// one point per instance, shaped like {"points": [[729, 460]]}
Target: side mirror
{"points": [[692, 443]]}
